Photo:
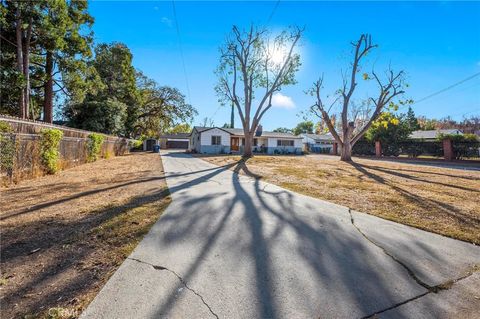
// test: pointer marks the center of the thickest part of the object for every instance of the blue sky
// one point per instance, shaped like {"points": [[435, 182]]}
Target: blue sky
{"points": [[436, 43]]}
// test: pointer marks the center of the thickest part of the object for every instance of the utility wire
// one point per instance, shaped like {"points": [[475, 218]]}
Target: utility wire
{"points": [[446, 89], [273, 12], [179, 38]]}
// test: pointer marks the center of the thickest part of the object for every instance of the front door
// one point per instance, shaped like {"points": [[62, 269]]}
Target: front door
{"points": [[234, 144]]}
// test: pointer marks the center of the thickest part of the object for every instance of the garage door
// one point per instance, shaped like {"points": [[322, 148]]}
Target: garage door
{"points": [[177, 144]]}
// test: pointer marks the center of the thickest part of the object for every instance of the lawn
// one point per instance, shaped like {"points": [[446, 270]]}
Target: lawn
{"points": [[63, 236], [441, 200]]}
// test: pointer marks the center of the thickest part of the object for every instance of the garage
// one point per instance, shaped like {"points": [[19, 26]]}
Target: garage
{"points": [[175, 140], [177, 144]]}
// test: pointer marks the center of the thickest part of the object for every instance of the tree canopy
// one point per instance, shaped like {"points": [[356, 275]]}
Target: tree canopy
{"points": [[304, 127], [48, 60], [253, 66]]}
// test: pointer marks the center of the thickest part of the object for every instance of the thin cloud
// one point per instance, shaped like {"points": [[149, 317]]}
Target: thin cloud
{"points": [[282, 101], [166, 21]]}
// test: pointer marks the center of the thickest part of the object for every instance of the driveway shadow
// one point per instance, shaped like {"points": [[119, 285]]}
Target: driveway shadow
{"points": [[344, 273]]}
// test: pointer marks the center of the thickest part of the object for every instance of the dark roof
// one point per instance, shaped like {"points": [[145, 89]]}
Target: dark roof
{"points": [[320, 137], [432, 134], [176, 135], [239, 131]]}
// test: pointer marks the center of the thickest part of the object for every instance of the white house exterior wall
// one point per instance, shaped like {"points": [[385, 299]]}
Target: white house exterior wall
{"points": [[272, 147], [206, 142]]}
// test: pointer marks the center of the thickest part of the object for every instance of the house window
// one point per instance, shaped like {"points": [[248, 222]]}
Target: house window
{"points": [[284, 142], [216, 140], [255, 141]]}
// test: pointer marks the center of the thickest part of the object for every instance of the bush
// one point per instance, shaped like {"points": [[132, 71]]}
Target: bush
{"points": [[5, 127], [363, 147], [414, 148], [136, 144], [49, 149], [94, 146], [458, 137], [7, 148], [464, 145]]}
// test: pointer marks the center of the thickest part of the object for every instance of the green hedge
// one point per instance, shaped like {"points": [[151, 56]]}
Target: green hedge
{"points": [[363, 147], [7, 148], [49, 149], [94, 146]]}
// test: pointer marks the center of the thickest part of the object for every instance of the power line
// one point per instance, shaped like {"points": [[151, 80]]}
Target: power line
{"points": [[273, 12], [179, 38], [447, 88]]}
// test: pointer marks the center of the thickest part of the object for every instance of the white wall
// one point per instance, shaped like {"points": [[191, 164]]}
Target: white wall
{"points": [[272, 141], [308, 140], [194, 141], [206, 137]]}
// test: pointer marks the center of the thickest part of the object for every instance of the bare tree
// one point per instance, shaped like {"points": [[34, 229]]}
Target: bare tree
{"points": [[252, 69], [355, 120]]}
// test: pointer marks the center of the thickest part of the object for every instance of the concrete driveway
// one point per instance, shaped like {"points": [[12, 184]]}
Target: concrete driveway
{"points": [[230, 246]]}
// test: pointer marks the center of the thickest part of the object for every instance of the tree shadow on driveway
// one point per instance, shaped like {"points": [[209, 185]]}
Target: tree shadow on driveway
{"points": [[303, 260]]}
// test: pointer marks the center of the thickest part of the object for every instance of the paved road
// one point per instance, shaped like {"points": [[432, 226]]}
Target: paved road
{"points": [[232, 247]]}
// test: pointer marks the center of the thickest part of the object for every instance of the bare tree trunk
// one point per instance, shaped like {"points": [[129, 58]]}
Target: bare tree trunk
{"points": [[48, 89], [26, 68], [346, 152], [18, 32], [247, 148]]}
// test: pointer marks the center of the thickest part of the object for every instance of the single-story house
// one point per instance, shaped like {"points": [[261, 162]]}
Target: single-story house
{"points": [[432, 135], [318, 143], [175, 140], [216, 140]]}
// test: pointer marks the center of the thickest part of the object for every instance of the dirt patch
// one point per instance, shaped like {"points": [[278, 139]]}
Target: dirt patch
{"points": [[440, 200], [64, 235]]}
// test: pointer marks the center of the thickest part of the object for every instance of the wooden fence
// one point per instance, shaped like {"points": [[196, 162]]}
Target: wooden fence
{"points": [[26, 141]]}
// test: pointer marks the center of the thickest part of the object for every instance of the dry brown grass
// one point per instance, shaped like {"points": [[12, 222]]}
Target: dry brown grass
{"points": [[63, 236], [441, 200]]}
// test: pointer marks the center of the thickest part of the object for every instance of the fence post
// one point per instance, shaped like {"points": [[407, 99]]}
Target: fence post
{"points": [[447, 149], [378, 149], [335, 148]]}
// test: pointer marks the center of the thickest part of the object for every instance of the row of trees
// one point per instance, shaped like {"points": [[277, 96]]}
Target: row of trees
{"points": [[48, 59], [467, 125], [391, 125], [254, 66]]}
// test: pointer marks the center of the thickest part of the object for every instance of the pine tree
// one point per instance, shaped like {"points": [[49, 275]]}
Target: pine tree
{"points": [[412, 122]]}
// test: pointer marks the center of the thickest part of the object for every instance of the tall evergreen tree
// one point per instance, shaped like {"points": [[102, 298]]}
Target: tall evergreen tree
{"points": [[411, 120]]}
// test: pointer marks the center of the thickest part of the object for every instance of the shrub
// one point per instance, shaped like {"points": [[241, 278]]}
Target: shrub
{"points": [[363, 147], [458, 137], [7, 148], [5, 127], [136, 144], [415, 148], [49, 149], [94, 146]]}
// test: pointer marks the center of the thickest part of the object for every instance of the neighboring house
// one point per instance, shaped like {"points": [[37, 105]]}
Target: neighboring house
{"points": [[215, 140], [176, 140], [433, 134], [318, 143]]}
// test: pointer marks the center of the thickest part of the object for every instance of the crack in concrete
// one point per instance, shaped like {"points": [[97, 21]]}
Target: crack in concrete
{"points": [[430, 289], [443, 286], [409, 271], [184, 283]]}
